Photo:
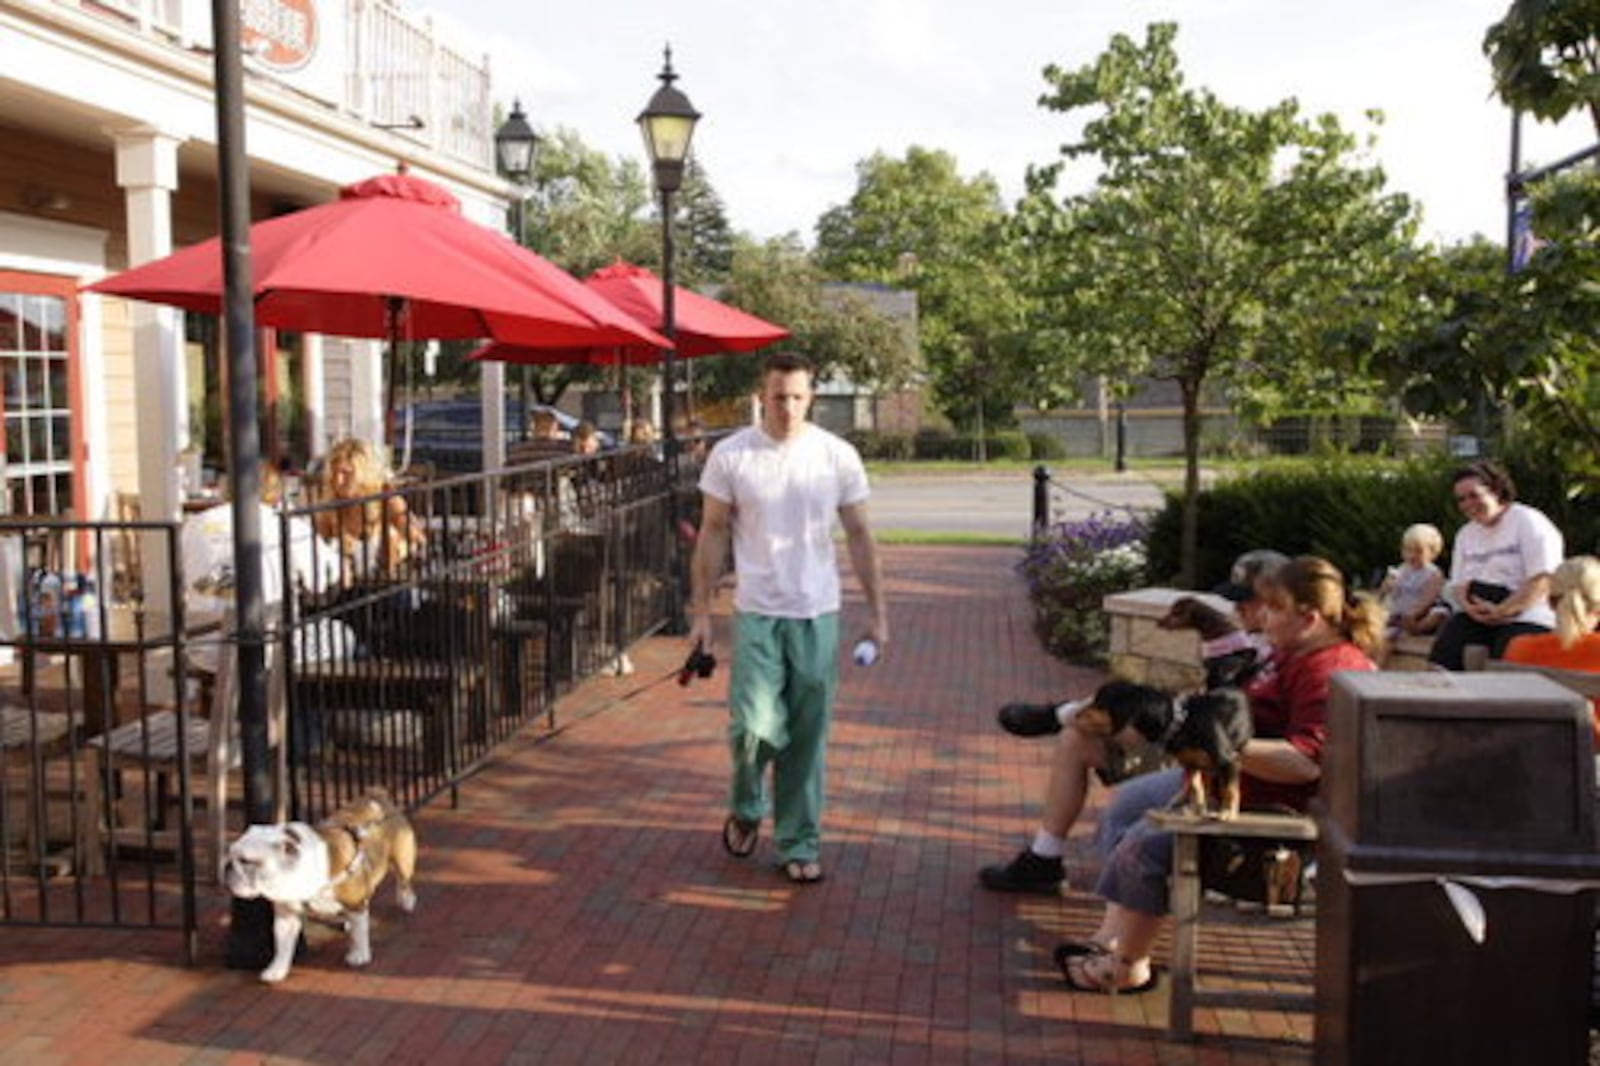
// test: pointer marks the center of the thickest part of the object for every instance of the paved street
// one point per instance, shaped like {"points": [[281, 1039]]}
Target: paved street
{"points": [[1000, 504]]}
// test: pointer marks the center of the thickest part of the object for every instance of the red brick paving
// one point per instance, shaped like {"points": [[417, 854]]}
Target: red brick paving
{"points": [[577, 907]]}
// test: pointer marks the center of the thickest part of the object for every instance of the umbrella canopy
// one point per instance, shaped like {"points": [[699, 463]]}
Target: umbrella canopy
{"points": [[392, 257], [704, 326]]}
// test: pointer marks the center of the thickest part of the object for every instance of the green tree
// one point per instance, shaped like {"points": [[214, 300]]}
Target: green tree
{"points": [[704, 237], [1546, 57], [917, 223], [842, 333], [1217, 244]]}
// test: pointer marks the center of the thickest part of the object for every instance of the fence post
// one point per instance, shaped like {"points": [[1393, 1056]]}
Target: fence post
{"points": [[1041, 500]]}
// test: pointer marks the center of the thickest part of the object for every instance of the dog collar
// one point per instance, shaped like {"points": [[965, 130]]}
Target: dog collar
{"points": [[1238, 640], [1180, 712]]}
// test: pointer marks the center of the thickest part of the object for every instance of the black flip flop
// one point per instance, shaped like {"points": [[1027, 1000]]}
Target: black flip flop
{"points": [[1075, 949], [739, 837]]}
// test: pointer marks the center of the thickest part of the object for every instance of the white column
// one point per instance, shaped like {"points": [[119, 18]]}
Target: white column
{"points": [[314, 393], [492, 388], [147, 172]]}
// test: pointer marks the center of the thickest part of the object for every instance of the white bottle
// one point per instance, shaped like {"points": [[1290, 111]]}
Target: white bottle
{"points": [[88, 608], [866, 652]]}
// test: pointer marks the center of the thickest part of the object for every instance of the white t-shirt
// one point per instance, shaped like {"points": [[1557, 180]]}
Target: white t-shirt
{"points": [[785, 497], [1521, 544]]}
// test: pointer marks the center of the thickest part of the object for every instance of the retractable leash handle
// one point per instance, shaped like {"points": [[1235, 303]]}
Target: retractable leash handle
{"points": [[698, 664]]}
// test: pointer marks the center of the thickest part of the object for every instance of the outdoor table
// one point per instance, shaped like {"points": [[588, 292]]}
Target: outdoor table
{"points": [[1187, 828]]}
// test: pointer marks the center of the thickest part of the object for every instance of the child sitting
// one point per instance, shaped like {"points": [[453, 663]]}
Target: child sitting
{"points": [[1412, 590]]}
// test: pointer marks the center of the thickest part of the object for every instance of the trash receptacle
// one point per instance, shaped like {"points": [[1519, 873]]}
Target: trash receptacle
{"points": [[1485, 782]]}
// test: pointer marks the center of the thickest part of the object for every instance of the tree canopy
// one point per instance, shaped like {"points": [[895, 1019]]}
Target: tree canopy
{"points": [[1546, 57], [916, 223], [1218, 244]]}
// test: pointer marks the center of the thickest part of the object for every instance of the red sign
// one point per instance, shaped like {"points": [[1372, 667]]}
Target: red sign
{"points": [[281, 34]]}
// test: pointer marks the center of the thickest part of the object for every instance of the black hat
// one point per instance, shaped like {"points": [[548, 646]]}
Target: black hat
{"points": [[1241, 584]]}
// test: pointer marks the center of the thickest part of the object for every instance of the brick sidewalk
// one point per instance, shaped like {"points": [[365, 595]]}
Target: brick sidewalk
{"points": [[578, 908]]}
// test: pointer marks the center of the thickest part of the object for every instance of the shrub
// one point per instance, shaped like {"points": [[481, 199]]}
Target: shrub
{"points": [[1045, 446], [1070, 569], [881, 447], [1349, 510]]}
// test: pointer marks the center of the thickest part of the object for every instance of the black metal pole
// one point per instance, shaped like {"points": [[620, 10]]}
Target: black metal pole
{"points": [[1041, 500], [250, 934], [669, 430], [525, 384], [1122, 437]]}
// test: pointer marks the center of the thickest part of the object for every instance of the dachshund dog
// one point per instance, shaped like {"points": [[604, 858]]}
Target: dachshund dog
{"points": [[1225, 649], [1116, 705], [1211, 731]]}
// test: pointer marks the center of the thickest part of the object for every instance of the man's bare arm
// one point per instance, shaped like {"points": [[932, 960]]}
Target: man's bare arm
{"points": [[864, 558], [705, 570]]}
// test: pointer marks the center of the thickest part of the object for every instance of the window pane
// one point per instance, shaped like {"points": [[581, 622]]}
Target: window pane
{"points": [[10, 327], [33, 383], [61, 438], [59, 399]]}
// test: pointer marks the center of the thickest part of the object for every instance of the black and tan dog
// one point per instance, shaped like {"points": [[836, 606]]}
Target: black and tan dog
{"points": [[1225, 649], [1116, 705], [1209, 737]]}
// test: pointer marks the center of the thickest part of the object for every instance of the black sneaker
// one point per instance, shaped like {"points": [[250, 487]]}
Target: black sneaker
{"points": [[1025, 873], [1029, 719]]}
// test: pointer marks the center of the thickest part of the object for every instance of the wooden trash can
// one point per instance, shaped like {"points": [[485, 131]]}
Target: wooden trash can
{"points": [[1484, 780]]}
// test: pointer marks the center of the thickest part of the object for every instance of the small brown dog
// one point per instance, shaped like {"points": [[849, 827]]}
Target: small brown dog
{"points": [[1207, 742], [1225, 649]]}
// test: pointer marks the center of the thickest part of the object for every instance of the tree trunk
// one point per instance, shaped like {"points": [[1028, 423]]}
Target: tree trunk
{"points": [[1189, 544]]}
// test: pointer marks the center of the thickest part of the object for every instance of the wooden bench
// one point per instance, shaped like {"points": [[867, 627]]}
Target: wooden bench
{"points": [[1187, 829]]}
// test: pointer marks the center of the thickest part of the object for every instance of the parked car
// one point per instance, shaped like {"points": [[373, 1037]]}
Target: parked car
{"points": [[449, 433]]}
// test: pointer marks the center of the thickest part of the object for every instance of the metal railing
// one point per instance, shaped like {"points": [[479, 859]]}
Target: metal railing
{"points": [[394, 65], [503, 591]]}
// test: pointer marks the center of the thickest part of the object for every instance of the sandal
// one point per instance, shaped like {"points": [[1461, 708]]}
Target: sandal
{"points": [[1081, 975], [803, 871], [1077, 949], [739, 837]]}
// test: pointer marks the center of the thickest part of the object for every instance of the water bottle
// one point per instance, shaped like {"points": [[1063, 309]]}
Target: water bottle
{"points": [[88, 608], [48, 606], [72, 610]]}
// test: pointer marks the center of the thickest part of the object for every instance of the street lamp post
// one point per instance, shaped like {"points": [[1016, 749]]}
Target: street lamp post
{"points": [[667, 123], [514, 146]]}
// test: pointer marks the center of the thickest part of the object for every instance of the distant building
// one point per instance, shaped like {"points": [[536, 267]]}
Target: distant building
{"points": [[843, 404]]}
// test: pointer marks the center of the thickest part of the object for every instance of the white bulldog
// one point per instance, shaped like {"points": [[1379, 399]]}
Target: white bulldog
{"points": [[330, 872]]}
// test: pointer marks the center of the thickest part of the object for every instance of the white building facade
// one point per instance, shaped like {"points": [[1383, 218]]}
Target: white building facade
{"points": [[108, 115]]}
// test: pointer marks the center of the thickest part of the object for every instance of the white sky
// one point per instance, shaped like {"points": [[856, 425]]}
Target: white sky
{"points": [[795, 93]]}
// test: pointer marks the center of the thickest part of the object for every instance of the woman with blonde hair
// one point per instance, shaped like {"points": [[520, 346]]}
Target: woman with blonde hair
{"points": [[1317, 628], [1574, 645], [375, 533]]}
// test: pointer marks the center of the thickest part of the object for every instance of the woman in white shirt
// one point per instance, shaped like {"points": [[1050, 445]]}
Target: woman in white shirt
{"points": [[1500, 566]]}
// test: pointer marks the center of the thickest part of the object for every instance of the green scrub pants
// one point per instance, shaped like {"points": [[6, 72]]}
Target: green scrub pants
{"points": [[780, 702]]}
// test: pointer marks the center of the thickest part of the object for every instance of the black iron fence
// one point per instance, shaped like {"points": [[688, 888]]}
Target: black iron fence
{"points": [[400, 656]]}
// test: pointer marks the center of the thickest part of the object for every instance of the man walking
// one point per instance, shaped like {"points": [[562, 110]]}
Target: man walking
{"points": [[773, 491]]}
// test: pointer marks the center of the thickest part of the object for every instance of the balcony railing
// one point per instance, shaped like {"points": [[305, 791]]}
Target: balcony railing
{"points": [[375, 63]]}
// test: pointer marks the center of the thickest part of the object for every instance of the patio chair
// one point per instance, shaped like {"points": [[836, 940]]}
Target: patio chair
{"points": [[163, 743]]}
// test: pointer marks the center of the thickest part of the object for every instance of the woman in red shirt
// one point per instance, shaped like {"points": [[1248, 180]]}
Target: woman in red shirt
{"points": [[1316, 628]]}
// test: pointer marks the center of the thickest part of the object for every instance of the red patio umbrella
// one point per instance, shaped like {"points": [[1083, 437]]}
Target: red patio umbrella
{"points": [[704, 326], [392, 257]]}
